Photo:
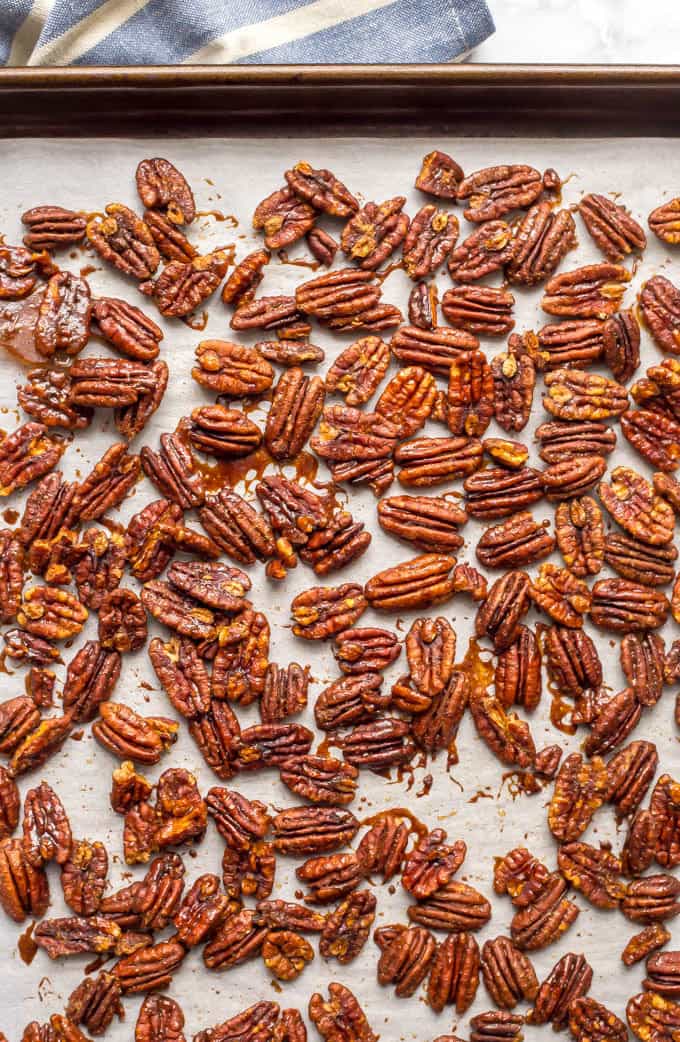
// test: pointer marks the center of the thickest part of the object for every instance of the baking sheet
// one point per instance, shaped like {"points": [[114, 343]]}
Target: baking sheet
{"points": [[475, 800]]}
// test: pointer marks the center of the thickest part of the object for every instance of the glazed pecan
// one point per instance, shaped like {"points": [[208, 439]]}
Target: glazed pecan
{"points": [[295, 512], [485, 251], [286, 953], [100, 564], [124, 240], [11, 574], [508, 974], [652, 1016], [595, 872], [641, 944], [658, 390], [250, 1025], [249, 872], [23, 888], [639, 848], [434, 350], [572, 344], [405, 962], [347, 927], [371, 650], [430, 523], [280, 313], [569, 979], [173, 470], [340, 1018], [322, 189], [563, 439], [470, 399], [128, 788], [284, 219], [83, 876], [431, 864], [107, 484], [631, 772], [593, 291], [241, 662], [640, 562], [544, 914], [375, 746], [231, 369], [330, 877], [237, 528], [580, 535], [10, 805], [216, 585], [109, 382], [290, 352], [663, 974], [322, 246], [339, 294], [383, 847], [572, 394], [422, 305], [170, 241], [270, 745], [518, 541], [517, 680], [374, 232], [651, 899], [95, 1002], [663, 221], [357, 446], [428, 241], [497, 492], [46, 828], [51, 613], [122, 621], [358, 370], [479, 309], [633, 503], [500, 614], [560, 595], [622, 344], [201, 912], [182, 286], [239, 821], [160, 1020], [496, 1027], [46, 398], [655, 437], [590, 1021], [542, 239], [611, 227], [27, 454], [514, 379], [162, 187], [571, 477], [285, 692], [497, 190], [454, 973], [22, 733], [508, 737], [455, 906], [77, 934], [320, 779], [437, 727], [624, 606], [52, 228], [223, 432], [133, 737], [296, 406], [323, 611], [312, 830], [408, 399], [426, 462], [431, 649], [179, 612], [414, 584], [580, 789], [439, 175], [664, 806], [149, 969], [180, 808]]}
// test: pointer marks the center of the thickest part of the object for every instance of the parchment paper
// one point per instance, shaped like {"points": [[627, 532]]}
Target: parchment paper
{"points": [[472, 801]]}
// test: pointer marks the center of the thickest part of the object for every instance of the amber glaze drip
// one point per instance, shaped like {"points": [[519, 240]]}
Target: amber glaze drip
{"points": [[88, 269], [324, 747], [232, 472], [480, 672], [301, 263], [380, 276], [520, 783], [17, 328], [415, 824], [560, 709], [26, 945], [194, 322], [217, 215]]}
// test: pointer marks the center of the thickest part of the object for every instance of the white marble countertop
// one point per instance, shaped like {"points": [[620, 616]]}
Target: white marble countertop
{"points": [[588, 31]]}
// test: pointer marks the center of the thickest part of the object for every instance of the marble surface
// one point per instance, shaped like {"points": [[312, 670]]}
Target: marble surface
{"points": [[588, 31]]}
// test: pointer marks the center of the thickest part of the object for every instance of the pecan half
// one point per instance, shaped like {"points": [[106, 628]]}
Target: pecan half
{"points": [[485, 251], [580, 535], [296, 406], [514, 379], [651, 1016], [631, 772], [428, 241], [508, 974], [569, 979], [149, 969], [641, 944], [632, 502], [241, 662], [250, 1025], [338, 294], [431, 864], [518, 541], [52, 228], [433, 349], [640, 562], [366, 650], [340, 1018], [454, 973], [183, 285], [270, 745], [95, 1002], [593, 291], [405, 962], [499, 615], [517, 680], [46, 398], [359, 369], [28, 453], [10, 805], [378, 745], [595, 872], [382, 849], [651, 899], [161, 186], [46, 828], [455, 906], [430, 523], [543, 238], [358, 446], [346, 928], [374, 232], [133, 737], [418, 583], [580, 789], [572, 394], [479, 309], [83, 876], [408, 399], [590, 1020], [622, 344], [323, 611], [439, 175], [63, 316], [611, 227], [107, 484], [497, 190], [426, 462], [237, 528], [562, 439], [320, 779], [624, 606], [497, 492]]}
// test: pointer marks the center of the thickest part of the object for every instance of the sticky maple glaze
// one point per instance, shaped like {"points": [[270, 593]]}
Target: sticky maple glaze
{"points": [[10, 516], [18, 319], [248, 470], [560, 709], [196, 323], [415, 824], [300, 263], [27, 946], [88, 269], [217, 215], [520, 783], [480, 672], [380, 276], [328, 743]]}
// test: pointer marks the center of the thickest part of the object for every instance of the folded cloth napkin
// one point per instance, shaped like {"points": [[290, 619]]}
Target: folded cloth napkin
{"points": [[227, 32]]}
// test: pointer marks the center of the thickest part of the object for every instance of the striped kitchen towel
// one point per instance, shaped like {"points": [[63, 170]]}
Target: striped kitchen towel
{"points": [[227, 32]]}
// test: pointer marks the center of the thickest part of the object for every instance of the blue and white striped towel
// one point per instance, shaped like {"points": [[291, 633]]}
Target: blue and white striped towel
{"points": [[227, 32]]}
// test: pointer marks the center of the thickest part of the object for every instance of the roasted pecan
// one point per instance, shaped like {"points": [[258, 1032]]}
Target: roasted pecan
{"points": [[406, 961], [500, 614], [408, 399], [658, 390], [611, 227], [338, 294], [182, 286], [83, 876], [77, 934], [270, 745], [312, 830], [95, 1002], [431, 649], [330, 877], [284, 219], [562, 439], [437, 727], [573, 394], [430, 523], [622, 344], [507, 972], [52, 228], [642, 661], [434, 350], [358, 370], [639, 848], [249, 872], [571, 477], [180, 613], [126, 327], [624, 606], [124, 240], [173, 471], [497, 190], [470, 400], [128, 788], [170, 241], [544, 914], [64, 315], [651, 1016], [633, 503], [651, 899], [285, 692], [439, 175], [422, 305], [479, 309], [508, 737], [280, 313], [374, 232], [366, 650], [383, 847], [497, 492], [11, 574], [46, 829], [519, 540], [295, 408], [239, 821], [323, 611], [641, 944], [358, 446], [432, 864], [23, 888], [122, 621], [590, 1021], [663, 221], [426, 462], [237, 528], [347, 927], [341, 1018], [514, 379], [150, 968], [569, 979], [455, 906], [162, 187], [181, 810], [160, 1020], [418, 583], [250, 1025], [27, 454], [454, 973], [517, 680], [100, 565], [429, 240], [378, 745], [593, 291], [286, 953], [665, 809], [241, 663], [40, 744], [580, 789], [231, 369], [580, 535], [631, 772], [486, 250], [574, 343], [541, 241], [595, 872], [663, 974], [51, 613], [560, 595], [133, 737], [46, 398], [496, 1027], [9, 810], [201, 912], [320, 779], [107, 484]]}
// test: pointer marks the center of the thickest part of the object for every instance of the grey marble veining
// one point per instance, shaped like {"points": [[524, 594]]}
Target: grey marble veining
{"points": [[588, 31]]}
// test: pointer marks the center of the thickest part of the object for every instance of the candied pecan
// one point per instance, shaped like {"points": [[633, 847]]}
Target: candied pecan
{"points": [[580, 535], [621, 351], [573, 394], [11, 574], [560, 595], [431, 461], [570, 477], [286, 915], [496, 1027], [23, 888], [642, 661], [497, 190], [454, 973], [485, 251], [406, 961], [254, 1023], [323, 611], [358, 370], [545, 915], [590, 1021], [431, 649], [124, 240], [338, 294], [422, 305], [312, 830], [322, 246], [542, 239], [180, 808], [322, 190], [27, 454], [270, 745], [418, 583], [514, 379], [182, 675], [295, 512], [499, 615], [237, 528], [624, 606], [83, 876], [455, 906], [285, 954], [631, 772], [231, 369], [470, 399], [511, 454], [431, 864], [170, 241], [358, 446], [46, 398], [216, 585], [580, 789], [574, 343], [183, 285], [285, 692], [131, 419], [592, 291], [408, 399], [507, 973], [291, 352], [665, 808], [633, 503], [429, 240], [278, 313], [372, 319], [658, 390], [437, 727], [641, 944], [508, 737], [149, 969], [430, 523], [569, 979], [611, 226], [655, 437], [160, 1020], [173, 471], [40, 744], [63, 316], [106, 486], [341, 1018], [639, 848], [562, 439], [595, 872], [434, 350], [284, 219], [547, 761], [122, 621], [652, 898], [663, 974], [48, 612], [375, 746], [52, 228], [128, 788], [296, 406], [201, 912], [9, 810], [371, 650], [497, 492], [100, 565], [162, 187], [479, 309], [330, 877], [439, 175], [133, 737], [248, 274], [652, 1016], [519, 540], [77, 934], [241, 662], [374, 232], [46, 828], [663, 221], [517, 680], [239, 821], [383, 847], [177, 611], [95, 1002], [347, 927], [320, 779], [126, 327]]}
